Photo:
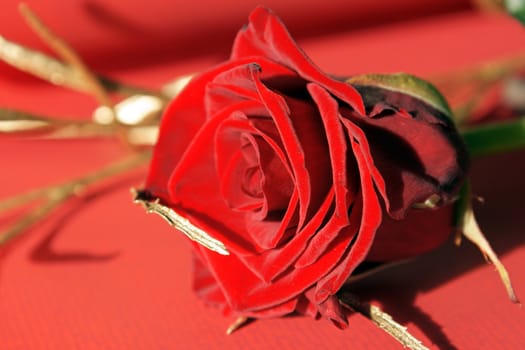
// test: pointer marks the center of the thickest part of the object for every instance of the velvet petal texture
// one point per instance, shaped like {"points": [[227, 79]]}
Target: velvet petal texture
{"points": [[291, 170]]}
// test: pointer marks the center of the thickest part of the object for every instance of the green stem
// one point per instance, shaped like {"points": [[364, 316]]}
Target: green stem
{"points": [[495, 138]]}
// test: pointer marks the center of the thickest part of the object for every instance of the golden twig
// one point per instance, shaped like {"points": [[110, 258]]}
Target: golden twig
{"points": [[491, 70], [22, 199], [40, 65], [382, 320], [152, 205], [56, 72], [14, 122], [66, 53], [465, 88], [53, 201], [24, 123], [54, 196]]}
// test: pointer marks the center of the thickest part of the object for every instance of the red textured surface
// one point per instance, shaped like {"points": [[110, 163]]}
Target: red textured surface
{"points": [[110, 277]]}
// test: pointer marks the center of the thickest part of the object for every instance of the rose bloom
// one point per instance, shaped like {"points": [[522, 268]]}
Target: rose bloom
{"points": [[302, 176]]}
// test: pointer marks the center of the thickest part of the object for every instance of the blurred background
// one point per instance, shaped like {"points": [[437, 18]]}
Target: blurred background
{"points": [[116, 33], [100, 274]]}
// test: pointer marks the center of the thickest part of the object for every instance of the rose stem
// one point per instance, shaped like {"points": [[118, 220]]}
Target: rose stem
{"points": [[57, 194], [495, 137], [382, 320]]}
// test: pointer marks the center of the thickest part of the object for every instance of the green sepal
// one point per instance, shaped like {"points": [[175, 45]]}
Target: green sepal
{"points": [[462, 204], [406, 84]]}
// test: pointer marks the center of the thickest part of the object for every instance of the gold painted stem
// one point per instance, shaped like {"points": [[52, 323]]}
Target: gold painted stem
{"points": [[54, 196], [382, 320]]}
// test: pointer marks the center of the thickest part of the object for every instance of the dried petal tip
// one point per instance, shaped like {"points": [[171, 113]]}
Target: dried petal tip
{"points": [[431, 202], [472, 231]]}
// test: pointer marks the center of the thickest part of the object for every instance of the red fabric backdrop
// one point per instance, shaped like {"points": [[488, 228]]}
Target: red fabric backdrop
{"points": [[110, 277]]}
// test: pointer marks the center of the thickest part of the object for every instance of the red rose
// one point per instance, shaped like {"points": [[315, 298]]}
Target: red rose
{"points": [[294, 171]]}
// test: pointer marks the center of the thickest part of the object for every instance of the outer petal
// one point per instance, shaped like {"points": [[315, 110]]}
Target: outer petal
{"points": [[416, 148], [370, 221], [267, 36], [419, 232], [246, 292], [341, 179]]}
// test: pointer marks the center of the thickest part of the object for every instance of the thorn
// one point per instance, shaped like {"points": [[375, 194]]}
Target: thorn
{"points": [[238, 323]]}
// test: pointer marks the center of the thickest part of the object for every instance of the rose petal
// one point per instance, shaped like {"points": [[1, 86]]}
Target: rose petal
{"points": [[277, 107], [209, 290], [271, 263], [370, 221], [341, 179], [236, 83], [267, 36], [415, 147], [203, 196], [419, 232], [206, 286], [270, 232], [238, 187], [246, 292], [188, 110], [331, 310]]}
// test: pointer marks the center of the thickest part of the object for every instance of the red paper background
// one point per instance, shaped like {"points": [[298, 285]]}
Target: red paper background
{"points": [[110, 277]]}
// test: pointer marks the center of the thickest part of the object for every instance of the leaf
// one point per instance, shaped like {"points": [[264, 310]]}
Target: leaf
{"points": [[516, 8], [406, 84], [496, 137]]}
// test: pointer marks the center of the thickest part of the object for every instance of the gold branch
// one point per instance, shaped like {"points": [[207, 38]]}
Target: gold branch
{"points": [[382, 320], [466, 88], [67, 54], [57, 73], [143, 133], [54, 196], [152, 205], [23, 123], [40, 65]]}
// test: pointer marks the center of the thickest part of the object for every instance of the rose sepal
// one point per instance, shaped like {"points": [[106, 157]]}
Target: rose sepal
{"points": [[407, 84], [468, 227]]}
